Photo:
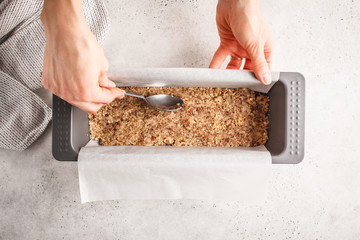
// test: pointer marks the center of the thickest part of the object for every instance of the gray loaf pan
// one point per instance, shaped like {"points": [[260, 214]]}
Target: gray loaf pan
{"points": [[70, 129]]}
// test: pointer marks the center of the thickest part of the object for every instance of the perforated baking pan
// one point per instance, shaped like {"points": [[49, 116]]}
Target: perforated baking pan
{"points": [[70, 129]]}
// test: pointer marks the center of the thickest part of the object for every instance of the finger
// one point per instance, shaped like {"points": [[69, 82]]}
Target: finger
{"points": [[107, 95], [234, 63], [104, 81], [238, 51], [260, 66], [248, 64], [87, 107], [268, 57], [269, 45], [268, 51], [269, 64], [219, 57]]}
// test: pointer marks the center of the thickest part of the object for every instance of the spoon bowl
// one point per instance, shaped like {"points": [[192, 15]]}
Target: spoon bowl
{"points": [[162, 102]]}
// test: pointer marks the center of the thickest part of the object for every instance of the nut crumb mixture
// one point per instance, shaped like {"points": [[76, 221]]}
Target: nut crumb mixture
{"points": [[211, 117]]}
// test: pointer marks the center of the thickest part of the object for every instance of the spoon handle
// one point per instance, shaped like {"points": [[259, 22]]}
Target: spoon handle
{"points": [[134, 95]]}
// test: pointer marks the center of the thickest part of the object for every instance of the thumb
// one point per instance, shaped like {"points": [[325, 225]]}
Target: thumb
{"points": [[260, 66], [105, 82]]}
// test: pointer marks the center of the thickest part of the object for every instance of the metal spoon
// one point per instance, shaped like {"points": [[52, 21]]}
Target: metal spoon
{"points": [[162, 102]]}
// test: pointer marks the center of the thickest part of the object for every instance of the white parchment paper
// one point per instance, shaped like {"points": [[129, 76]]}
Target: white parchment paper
{"points": [[164, 172]]}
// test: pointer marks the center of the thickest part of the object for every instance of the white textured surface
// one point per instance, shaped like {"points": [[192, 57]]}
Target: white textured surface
{"points": [[317, 199]]}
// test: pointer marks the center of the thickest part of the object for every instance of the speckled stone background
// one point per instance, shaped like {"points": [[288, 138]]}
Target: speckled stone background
{"points": [[317, 199]]}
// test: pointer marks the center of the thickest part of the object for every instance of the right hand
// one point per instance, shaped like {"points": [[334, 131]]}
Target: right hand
{"points": [[243, 34], [74, 62]]}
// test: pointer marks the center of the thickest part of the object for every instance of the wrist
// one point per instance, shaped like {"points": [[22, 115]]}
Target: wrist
{"points": [[238, 2], [62, 14], [238, 5]]}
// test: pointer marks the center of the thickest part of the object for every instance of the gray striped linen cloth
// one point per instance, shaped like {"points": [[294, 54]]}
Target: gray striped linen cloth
{"points": [[23, 114]]}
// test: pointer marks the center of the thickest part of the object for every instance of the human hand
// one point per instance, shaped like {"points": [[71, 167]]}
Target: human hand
{"points": [[243, 34], [74, 62]]}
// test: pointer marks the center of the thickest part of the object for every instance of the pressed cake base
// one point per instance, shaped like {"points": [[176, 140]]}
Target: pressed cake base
{"points": [[211, 117]]}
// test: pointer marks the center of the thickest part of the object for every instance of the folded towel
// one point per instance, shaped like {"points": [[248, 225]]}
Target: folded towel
{"points": [[23, 115]]}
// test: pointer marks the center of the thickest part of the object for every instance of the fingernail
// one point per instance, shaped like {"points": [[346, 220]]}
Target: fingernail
{"points": [[122, 94], [267, 78], [112, 84]]}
